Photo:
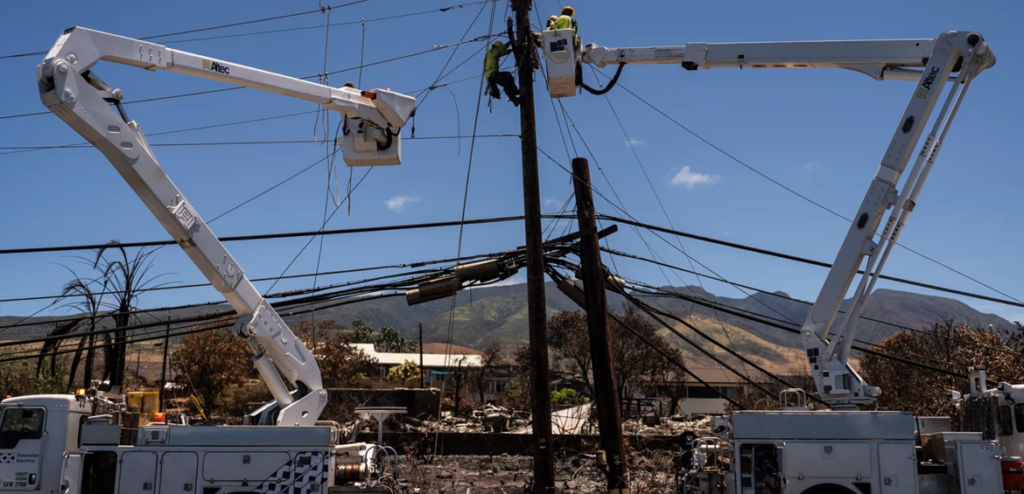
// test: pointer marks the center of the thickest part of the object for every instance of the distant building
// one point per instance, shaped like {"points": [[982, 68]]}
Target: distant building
{"points": [[436, 366], [695, 397]]}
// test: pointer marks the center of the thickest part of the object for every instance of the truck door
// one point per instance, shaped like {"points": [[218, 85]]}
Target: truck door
{"points": [[21, 447], [138, 473], [897, 466], [178, 473], [71, 472]]}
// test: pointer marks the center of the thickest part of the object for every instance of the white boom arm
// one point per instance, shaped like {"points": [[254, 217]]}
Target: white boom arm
{"points": [[69, 89], [962, 52]]}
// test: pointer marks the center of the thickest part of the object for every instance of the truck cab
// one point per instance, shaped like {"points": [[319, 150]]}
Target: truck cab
{"points": [[35, 432]]}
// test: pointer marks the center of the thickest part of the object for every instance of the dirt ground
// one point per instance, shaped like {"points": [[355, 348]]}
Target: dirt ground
{"points": [[650, 473]]}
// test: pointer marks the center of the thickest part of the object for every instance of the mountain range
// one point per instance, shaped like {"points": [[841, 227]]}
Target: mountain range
{"points": [[498, 314]]}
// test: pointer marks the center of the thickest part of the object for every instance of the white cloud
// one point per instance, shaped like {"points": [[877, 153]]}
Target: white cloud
{"points": [[551, 202], [397, 203], [691, 179], [634, 142], [812, 167]]}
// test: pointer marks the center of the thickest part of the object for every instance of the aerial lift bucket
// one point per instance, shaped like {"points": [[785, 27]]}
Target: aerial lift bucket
{"points": [[561, 58]]}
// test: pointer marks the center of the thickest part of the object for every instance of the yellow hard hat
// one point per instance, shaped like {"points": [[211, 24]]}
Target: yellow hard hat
{"points": [[553, 18], [569, 11], [498, 44]]}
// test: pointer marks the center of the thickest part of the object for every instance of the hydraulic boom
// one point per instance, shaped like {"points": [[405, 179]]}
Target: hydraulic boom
{"points": [[957, 56], [69, 88]]}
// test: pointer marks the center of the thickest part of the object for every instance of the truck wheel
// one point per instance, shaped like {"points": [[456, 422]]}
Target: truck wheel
{"points": [[827, 489]]}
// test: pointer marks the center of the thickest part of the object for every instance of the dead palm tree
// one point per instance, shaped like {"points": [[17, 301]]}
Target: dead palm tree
{"points": [[126, 276], [89, 303]]}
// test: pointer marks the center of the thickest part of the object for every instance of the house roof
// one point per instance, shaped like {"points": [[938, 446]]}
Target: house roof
{"points": [[432, 360], [443, 348], [715, 376]]}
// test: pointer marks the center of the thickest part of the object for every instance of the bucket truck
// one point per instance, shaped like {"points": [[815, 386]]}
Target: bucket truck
{"points": [[845, 450], [67, 444]]}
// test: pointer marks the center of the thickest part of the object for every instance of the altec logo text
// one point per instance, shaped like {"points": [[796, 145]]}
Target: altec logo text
{"points": [[216, 67]]}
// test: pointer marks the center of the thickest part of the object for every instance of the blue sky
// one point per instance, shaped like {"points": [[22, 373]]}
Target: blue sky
{"points": [[820, 132]]}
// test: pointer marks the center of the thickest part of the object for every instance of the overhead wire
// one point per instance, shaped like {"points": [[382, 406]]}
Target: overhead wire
{"points": [[802, 196], [235, 88], [657, 196], [334, 24], [241, 143], [783, 296], [621, 204], [462, 225], [861, 348], [326, 125], [210, 28]]}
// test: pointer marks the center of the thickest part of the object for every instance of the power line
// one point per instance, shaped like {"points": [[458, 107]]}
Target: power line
{"points": [[86, 145], [794, 192], [211, 28], [333, 24], [235, 88], [783, 327], [307, 233], [178, 131], [804, 302], [804, 260], [657, 292], [412, 226]]}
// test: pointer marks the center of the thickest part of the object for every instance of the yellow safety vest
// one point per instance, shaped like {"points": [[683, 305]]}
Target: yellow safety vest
{"points": [[564, 22], [491, 60]]}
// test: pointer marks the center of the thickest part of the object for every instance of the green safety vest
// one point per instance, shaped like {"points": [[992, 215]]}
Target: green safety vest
{"points": [[492, 59]]}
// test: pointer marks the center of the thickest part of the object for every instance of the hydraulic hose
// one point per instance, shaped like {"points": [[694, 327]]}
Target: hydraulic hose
{"points": [[610, 85]]}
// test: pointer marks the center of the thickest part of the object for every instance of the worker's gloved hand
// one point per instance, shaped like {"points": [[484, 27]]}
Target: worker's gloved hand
{"points": [[536, 40]]}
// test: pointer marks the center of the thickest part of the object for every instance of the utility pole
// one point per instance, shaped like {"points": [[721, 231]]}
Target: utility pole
{"points": [[423, 382], [605, 389], [163, 366], [543, 460], [138, 360]]}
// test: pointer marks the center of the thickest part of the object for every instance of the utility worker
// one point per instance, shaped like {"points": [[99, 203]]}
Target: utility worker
{"points": [[551, 21], [566, 20], [349, 84], [495, 78]]}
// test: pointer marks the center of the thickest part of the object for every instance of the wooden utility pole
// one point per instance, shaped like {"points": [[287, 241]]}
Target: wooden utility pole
{"points": [[543, 461], [163, 366], [423, 382], [605, 390]]}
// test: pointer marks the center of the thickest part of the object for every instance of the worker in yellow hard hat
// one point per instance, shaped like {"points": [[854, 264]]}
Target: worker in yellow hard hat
{"points": [[551, 21], [565, 20], [495, 78]]}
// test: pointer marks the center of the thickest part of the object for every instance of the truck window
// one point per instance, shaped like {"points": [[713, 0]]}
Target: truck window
{"points": [[1018, 412], [1005, 420], [99, 472], [20, 423]]}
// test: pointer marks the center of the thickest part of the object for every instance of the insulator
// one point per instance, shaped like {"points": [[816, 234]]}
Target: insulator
{"points": [[611, 282]]}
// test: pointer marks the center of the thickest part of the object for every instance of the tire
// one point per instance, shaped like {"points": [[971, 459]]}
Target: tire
{"points": [[828, 489]]}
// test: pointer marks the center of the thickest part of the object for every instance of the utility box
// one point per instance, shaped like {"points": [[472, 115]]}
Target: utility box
{"points": [[562, 56]]}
